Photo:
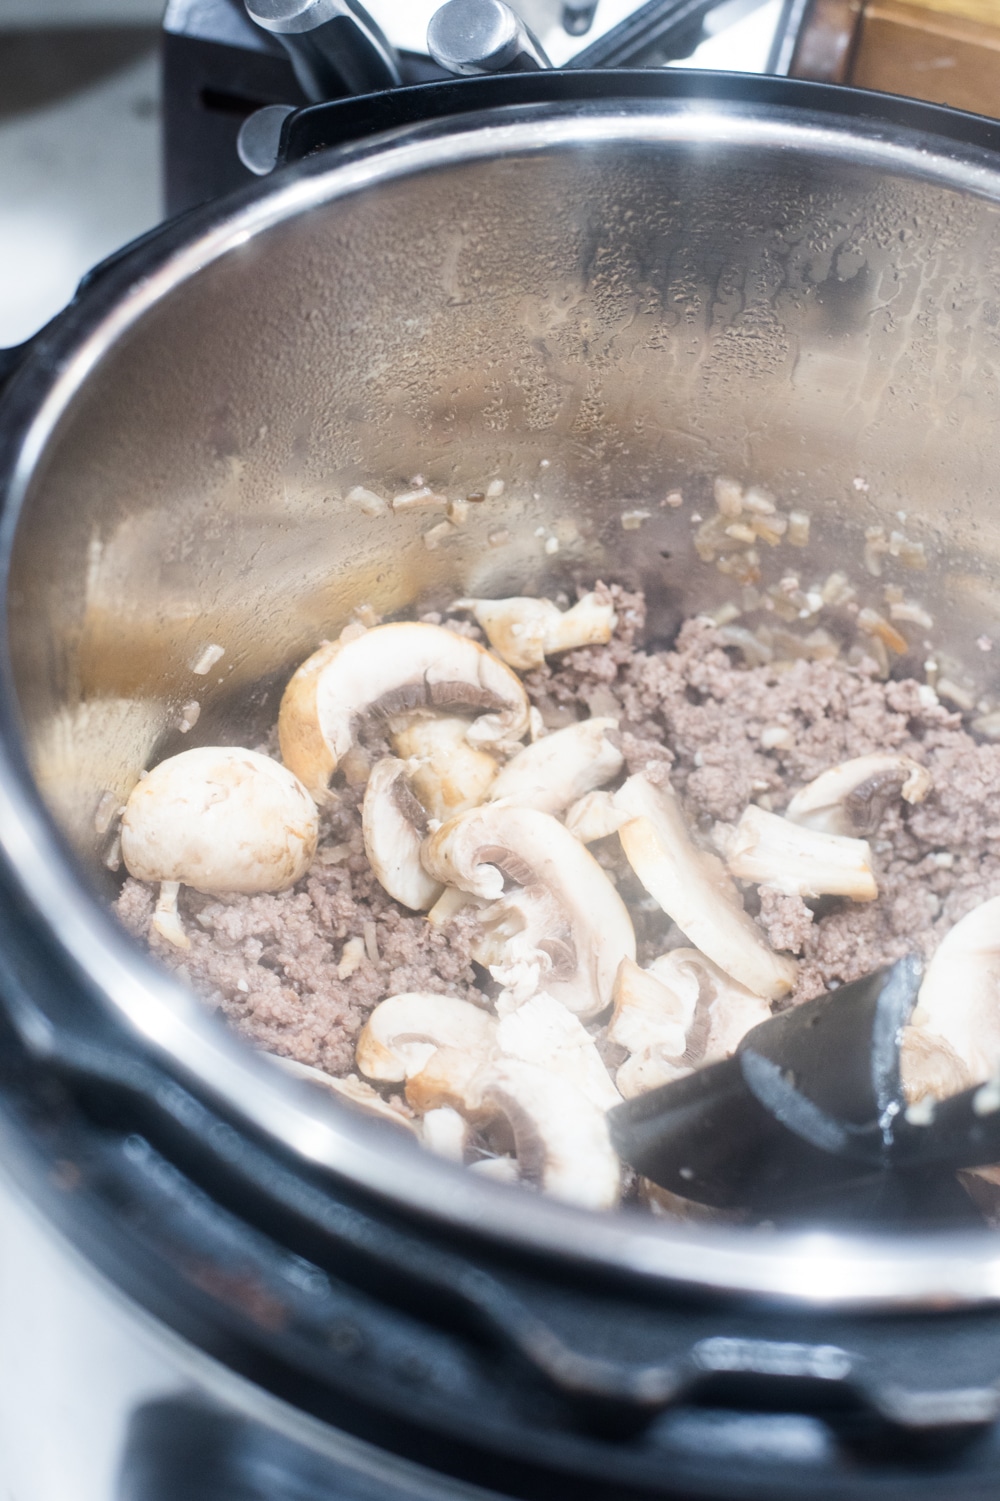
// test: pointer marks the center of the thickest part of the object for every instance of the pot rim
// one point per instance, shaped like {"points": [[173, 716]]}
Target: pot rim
{"points": [[816, 1268]]}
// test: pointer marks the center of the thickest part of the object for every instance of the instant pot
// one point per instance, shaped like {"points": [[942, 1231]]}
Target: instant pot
{"points": [[594, 289]]}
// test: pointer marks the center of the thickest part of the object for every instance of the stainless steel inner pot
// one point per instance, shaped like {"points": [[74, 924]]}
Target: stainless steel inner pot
{"points": [[593, 304]]}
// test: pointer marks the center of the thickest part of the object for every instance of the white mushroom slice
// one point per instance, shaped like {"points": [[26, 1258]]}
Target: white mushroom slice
{"points": [[447, 774], [445, 1133], [543, 1032], [447, 1080], [681, 1012], [350, 1091], [392, 670], [404, 1031], [773, 851], [220, 819], [650, 1013], [448, 906], [526, 631], [499, 1169], [646, 1070], [724, 1011], [555, 771], [694, 889], [852, 798], [929, 1068], [567, 923], [959, 1000], [594, 816], [560, 1136], [166, 918], [393, 823]]}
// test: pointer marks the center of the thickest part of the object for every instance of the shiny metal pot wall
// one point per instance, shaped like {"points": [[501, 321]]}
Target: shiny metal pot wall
{"points": [[592, 305]]}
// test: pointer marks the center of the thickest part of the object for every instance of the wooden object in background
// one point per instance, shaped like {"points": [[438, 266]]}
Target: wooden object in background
{"points": [[946, 51]]}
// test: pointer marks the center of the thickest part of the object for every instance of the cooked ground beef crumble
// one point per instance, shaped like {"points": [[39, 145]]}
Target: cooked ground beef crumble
{"points": [[694, 713]]}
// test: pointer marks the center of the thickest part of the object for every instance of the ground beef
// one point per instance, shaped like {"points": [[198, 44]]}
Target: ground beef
{"points": [[695, 714], [269, 963]]}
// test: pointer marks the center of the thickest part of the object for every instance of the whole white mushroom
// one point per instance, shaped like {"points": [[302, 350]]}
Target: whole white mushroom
{"points": [[220, 819]]}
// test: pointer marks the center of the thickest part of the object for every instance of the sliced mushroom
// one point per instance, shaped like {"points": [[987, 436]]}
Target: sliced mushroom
{"points": [[852, 798], [498, 1169], [694, 889], [959, 1000], [526, 631], [773, 851], [447, 1081], [561, 767], [447, 774], [565, 930], [543, 1032], [448, 906], [929, 1068], [350, 1091], [649, 1013], [561, 1137], [445, 1133], [594, 816], [388, 671], [679, 1013], [220, 819], [394, 823], [403, 1032], [648, 1069]]}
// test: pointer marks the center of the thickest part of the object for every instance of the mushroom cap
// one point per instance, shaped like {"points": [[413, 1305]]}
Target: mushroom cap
{"points": [[390, 670], [799, 861], [403, 1032], [851, 798], [392, 840], [220, 819], [694, 889], [568, 920], [959, 999], [559, 768]]}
